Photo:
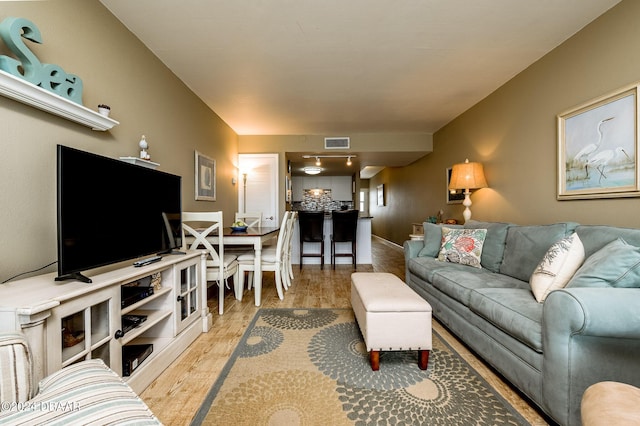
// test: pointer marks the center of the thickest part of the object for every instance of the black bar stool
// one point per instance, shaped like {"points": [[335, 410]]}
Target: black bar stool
{"points": [[345, 224], [311, 231]]}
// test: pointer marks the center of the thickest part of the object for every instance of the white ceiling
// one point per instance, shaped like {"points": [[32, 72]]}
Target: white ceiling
{"points": [[340, 67]]}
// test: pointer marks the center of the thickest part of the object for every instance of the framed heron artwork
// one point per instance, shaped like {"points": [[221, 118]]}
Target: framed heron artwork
{"points": [[598, 147]]}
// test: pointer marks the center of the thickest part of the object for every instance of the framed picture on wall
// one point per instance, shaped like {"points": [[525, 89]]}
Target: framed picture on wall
{"points": [[598, 148], [455, 196], [205, 173], [381, 195]]}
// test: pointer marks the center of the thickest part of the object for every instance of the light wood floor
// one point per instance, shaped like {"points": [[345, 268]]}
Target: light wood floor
{"points": [[178, 392]]}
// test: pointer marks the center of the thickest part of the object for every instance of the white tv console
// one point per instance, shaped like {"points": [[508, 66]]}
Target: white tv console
{"points": [[66, 322]]}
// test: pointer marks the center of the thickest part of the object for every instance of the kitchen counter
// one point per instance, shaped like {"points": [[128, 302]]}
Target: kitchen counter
{"points": [[363, 242], [327, 214]]}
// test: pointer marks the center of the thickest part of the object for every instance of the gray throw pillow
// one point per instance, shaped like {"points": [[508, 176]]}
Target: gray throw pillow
{"points": [[615, 265], [433, 239]]}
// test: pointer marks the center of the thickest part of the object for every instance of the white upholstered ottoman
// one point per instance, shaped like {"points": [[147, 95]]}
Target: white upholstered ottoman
{"points": [[391, 316]]}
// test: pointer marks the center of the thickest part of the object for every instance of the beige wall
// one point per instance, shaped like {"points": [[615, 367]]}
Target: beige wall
{"points": [[513, 133], [85, 39]]}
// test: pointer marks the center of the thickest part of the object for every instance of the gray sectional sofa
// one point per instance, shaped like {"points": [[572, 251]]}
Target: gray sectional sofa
{"points": [[551, 351]]}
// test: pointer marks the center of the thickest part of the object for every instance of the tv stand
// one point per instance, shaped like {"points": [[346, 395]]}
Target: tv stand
{"points": [[74, 276], [68, 322]]}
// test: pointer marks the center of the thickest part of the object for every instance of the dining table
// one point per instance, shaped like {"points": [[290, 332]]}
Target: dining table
{"points": [[253, 235]]}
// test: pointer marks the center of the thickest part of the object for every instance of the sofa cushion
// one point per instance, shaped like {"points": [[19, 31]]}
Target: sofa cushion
{"points": [[557, 266], [462, 246], [526, 245], [493, 249], [433, 239], [458, 283], [615, 265], [594, 237], [426, 267], [513, 310]]}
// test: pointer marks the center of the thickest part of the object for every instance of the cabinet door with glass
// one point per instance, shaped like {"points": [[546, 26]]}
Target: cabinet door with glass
{"points": [[82, 329], [188, 297]]}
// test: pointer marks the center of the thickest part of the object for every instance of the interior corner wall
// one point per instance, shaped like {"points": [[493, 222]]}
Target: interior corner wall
{"points": [[85, 39], [513, 133]]}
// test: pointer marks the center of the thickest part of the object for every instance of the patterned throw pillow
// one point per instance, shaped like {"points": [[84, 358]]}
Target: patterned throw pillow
{"points": [[462, 246], [557, 267], [433, 239]]}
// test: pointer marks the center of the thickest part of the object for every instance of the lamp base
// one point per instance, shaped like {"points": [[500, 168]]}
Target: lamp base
{"points": [[466, 203]]}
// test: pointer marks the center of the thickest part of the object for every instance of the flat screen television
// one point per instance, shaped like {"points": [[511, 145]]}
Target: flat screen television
{"points": [[110, 211]]}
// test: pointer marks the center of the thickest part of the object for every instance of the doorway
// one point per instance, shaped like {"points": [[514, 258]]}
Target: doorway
{"points": [[364, 201], [259, 189]]}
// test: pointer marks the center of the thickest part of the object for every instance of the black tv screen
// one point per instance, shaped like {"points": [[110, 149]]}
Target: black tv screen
{"points": [[111, 211]]}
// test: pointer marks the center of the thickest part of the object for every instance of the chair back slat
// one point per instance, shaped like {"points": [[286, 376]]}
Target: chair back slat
{"points": [[196, 237], [197, 227], [282, 237], [250, 218]]}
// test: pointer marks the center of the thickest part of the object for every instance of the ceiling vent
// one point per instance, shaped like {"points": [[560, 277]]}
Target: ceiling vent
{"points": [[336, 143]]}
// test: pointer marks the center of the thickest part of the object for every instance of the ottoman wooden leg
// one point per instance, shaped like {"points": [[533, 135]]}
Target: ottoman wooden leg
{"points": [[423, 359], [374, 357]]}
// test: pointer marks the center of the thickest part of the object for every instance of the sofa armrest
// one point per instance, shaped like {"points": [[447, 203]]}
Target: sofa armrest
{"points": [[412, 248], [84, 393], [589, 335], [15, 368], [596, 312]]}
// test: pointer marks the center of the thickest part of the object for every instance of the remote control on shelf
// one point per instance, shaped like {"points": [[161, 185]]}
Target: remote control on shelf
{"points": [[148, 261]]}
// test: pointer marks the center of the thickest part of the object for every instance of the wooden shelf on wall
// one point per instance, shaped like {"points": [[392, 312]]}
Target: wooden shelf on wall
{"points": [[140, 162], [22, 91]]}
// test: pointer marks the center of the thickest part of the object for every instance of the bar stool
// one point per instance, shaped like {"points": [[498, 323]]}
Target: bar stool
{"points": [[345, 225], [311, 231]]}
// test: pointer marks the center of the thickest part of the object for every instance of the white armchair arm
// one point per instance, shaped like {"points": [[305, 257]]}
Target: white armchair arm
{"points": [[82, 393]]}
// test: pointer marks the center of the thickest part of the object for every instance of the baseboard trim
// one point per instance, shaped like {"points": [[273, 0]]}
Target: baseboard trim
{"points": [[387, 242]]}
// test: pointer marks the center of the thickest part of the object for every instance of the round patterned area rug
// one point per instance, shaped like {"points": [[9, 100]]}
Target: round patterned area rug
{"points": [[311, 367]]}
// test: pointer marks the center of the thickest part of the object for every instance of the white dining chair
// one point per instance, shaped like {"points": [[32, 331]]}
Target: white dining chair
{"points": [[250, 218], [219, 266], [272, 260], [288, 270]]}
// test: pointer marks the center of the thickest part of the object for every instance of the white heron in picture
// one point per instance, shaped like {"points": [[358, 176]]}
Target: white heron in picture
{"points": [[583, 155], [607, 157]]}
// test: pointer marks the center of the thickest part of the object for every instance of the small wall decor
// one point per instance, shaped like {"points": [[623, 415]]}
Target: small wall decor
{"points": [[381, 195], [104, 109], [144, 146], [43, 86], [48, 76], [455, 197], [205, 173], [598, 147]]}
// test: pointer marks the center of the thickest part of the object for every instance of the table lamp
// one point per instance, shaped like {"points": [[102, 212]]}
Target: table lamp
{"points": [[467, 176]]}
